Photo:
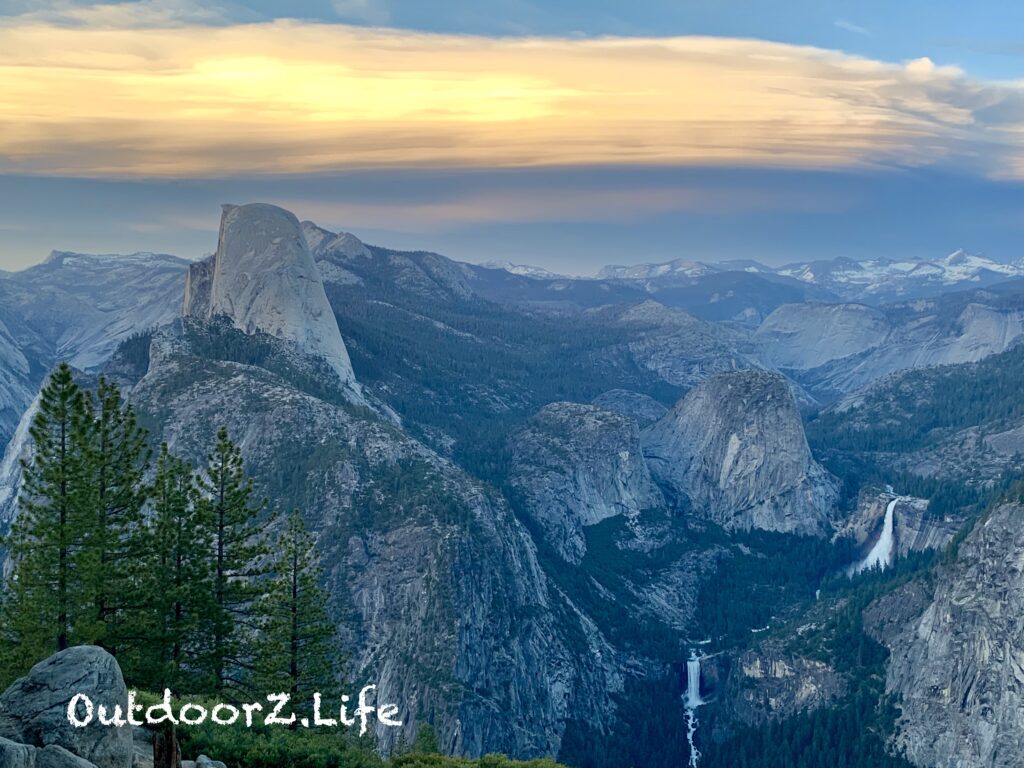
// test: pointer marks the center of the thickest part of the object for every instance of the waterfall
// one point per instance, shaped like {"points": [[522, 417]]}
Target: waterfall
{"points": [[881, 553], [692, 700], [693, 682]]}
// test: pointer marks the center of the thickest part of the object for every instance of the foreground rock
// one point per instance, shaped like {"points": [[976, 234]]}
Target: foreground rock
{"points": [[33, 711], [13, 755], [734, 450]]}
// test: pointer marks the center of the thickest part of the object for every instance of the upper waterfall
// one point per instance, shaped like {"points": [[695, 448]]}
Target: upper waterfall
{"points": [[881, 554]]}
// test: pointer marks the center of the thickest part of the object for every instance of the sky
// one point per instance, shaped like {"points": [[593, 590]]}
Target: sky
{"points": [[567, 134]]}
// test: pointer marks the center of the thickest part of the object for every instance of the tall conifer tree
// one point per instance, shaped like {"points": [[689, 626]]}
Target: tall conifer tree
{"points": [[239, 561], [117, 462], [45, 606], [296, 652], [177, 585]]}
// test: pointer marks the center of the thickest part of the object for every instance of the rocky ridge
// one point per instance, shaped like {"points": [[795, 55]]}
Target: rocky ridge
{"points": [[435, 575], [840, 348]]}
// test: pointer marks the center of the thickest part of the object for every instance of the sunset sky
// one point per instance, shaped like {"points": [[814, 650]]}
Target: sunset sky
{"points": [[568, 134]]}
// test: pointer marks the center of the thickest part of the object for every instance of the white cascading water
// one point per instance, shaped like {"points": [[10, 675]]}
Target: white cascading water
{"points": [[880, 554], [692, 700]]}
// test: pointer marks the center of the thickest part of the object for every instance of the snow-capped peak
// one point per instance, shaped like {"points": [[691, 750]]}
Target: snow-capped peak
{"points": [[876, 279], [525, 270]]}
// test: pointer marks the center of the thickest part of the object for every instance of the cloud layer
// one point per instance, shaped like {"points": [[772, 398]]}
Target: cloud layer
{"points": [[107, 94]]}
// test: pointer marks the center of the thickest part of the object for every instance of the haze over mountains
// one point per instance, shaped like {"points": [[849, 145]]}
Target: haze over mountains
{"points": [[536, 496]]}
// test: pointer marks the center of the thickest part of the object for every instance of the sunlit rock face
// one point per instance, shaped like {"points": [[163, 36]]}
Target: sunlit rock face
{"points": [[734, 450], [263, 278]]}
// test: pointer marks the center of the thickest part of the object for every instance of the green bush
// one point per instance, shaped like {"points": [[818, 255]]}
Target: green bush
{"points": [[262, 747]]}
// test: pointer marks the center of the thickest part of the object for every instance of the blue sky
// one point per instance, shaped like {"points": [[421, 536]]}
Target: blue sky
{"points": [[986, 38], [887, 129]]}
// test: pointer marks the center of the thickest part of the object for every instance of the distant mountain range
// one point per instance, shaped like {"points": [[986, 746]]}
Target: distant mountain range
{"points": [[872, 281]]}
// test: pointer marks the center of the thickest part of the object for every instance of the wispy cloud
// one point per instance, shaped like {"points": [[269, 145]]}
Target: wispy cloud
{"points": [[849, 26], [371, 11], [123, 93]]}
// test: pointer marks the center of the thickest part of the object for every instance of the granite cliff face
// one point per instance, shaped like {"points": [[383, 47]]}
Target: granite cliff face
{"points": [[768, 683], [959, 666], [576, 465], [734, 450], [263, 278]]}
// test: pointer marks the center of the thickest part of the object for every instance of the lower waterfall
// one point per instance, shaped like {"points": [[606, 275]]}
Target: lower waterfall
{"points": [[881, 553], [692, 700]]}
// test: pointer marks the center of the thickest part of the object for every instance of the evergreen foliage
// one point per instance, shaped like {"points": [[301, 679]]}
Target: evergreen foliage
{"points": [[426, 742], [297, 652], [49, 600], [171, 576], [177, 585], [117, 462], [919, 406], [226, 501]]}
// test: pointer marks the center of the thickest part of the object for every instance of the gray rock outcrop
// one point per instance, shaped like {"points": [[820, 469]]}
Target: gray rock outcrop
{"points": [[14, 755], [576, 465], [33, 711], [52, 756], [734, 450], [770, 684], [263, 278], [804, 336], [840, 348], [958, 668]]}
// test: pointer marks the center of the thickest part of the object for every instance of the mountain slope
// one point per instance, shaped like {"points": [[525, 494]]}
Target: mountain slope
{"points": [[78, 308], [411, 546]]}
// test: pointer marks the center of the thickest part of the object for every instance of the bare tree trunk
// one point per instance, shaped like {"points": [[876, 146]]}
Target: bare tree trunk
{"points": [[166, 750]]}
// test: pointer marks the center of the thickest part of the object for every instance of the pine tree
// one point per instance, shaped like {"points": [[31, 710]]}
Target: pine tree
{"points": [[296, 650], [177, 585], [239, 556], [426, 742], [44, 595], [118, 460]]}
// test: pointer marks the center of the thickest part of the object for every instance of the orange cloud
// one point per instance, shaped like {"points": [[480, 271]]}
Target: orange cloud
{"points": [[105, 97]]}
